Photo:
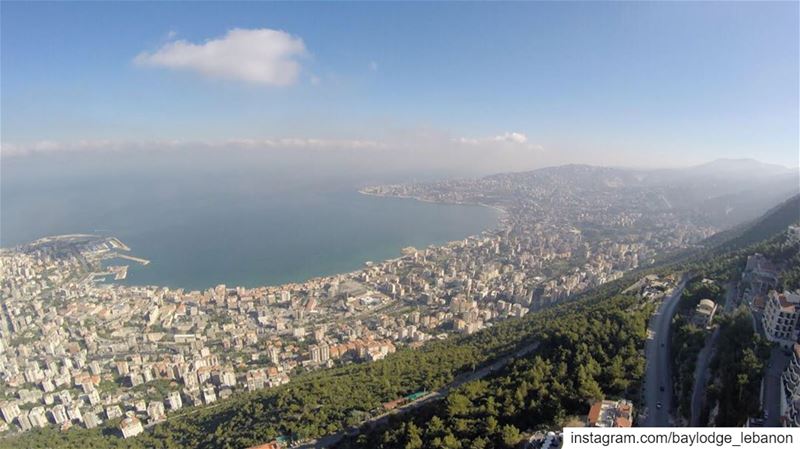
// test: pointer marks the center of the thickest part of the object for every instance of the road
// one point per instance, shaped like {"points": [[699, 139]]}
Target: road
{"points": [[658, 374], [704, 358], [771, 402], [701, 379], [461, 379]]}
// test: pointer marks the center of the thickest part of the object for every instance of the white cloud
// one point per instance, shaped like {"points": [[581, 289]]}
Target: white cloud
{"points": [[261, 56], [512, 138], [48, 146]]}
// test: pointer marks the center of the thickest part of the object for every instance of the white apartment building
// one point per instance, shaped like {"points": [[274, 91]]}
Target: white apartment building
{"points": [[780, 317]]}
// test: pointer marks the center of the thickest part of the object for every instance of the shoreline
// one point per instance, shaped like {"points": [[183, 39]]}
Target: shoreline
{"points": [[501, 214], [504, 213]]}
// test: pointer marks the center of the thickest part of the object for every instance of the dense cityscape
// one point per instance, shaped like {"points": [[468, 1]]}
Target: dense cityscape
{"points": [[79, 349], [90, 351]]}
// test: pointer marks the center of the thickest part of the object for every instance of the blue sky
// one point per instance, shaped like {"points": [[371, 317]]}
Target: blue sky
{"points": [[635, 83]]}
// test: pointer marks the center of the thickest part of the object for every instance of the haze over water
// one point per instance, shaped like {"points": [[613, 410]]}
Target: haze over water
{"points": [[201, 225]]}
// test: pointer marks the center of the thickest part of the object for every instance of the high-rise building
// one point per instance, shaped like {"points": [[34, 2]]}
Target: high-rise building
{"points": [[59, 414], [324, 352], [314, 353], [10, 410], [174, 400], [781, 316], [790, 380], [275, 354], [37, 417]]}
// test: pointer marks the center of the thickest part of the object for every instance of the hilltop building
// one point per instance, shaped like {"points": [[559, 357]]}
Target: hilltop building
{"points": [[781, 317]]}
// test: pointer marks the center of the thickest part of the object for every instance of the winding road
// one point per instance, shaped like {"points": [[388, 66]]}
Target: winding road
{"points": [[658, 374]]}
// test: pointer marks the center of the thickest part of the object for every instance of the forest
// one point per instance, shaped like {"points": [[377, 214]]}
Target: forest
{"points": [[584, 355]]}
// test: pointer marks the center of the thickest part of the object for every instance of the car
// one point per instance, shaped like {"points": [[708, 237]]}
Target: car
{"points": [[662, 388], [659, 405]]}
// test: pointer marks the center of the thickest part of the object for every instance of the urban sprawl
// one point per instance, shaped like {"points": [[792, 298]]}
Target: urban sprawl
{"points": [[78, 349]]}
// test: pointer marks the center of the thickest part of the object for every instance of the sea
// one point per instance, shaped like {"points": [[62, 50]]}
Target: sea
{"points": [[238, 220]]}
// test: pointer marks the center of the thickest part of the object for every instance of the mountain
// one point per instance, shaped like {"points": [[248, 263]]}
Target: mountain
{"points": [[744, 167], [723, 193], [774, 221], [731, 192]]}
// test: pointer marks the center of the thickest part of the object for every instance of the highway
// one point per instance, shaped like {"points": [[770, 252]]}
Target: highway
{"points": [[461, 379], [658, 373]]}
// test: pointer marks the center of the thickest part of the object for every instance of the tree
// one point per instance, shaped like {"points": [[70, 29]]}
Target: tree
{"points": [[510, 435], [413, 437], [458, 405]]}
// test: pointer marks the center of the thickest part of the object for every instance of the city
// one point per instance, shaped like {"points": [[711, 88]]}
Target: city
{"points": [[399, 225], [87, 351]]}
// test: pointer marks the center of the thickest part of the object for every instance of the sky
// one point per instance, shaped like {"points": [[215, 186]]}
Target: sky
{"points": [[492, 87]]}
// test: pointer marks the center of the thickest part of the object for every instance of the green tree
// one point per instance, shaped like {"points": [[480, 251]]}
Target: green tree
{"points": [[510, 435]]}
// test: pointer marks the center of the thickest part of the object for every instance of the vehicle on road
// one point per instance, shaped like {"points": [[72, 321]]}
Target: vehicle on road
{"points": [[659, 405]]}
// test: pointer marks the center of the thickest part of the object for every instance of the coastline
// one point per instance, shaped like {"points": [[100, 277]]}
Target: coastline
{"points": [[502, 212], [130, 281], [496, 225]]}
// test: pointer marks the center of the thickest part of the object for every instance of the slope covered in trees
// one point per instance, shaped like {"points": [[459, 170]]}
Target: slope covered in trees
{"points": [[738, 368], [772, 222], [585, 355]]}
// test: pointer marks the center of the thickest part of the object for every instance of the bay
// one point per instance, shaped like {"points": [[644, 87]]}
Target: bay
{"points": [[203, 227]]}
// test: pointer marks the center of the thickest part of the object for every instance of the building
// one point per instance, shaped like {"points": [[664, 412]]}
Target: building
{"points": [[790, 381], [270, 445], [130, 427], [314, 353], [24, 422], [794, 234], [155, 411], [275, 355], [10, 410], [781, 316], [74, 412], [113, 412], [704, 313], [209, 395], [174, 400], [91, 420], [227, 378], [324, 352], [59, 414], [610, 414], [758, 277], [37, 417]]}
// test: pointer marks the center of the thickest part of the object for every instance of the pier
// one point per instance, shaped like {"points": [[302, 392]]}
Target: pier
{"points": [[135, 259]]}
